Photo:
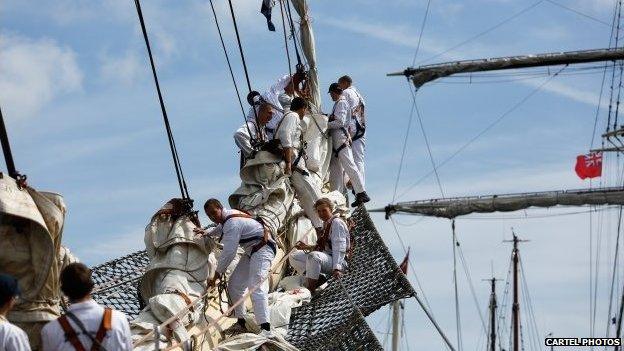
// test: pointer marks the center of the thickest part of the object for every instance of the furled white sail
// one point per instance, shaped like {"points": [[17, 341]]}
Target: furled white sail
{"points": [[460, 206]]}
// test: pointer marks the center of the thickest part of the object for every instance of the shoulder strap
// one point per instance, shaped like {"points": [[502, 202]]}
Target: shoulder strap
{"points": [[70, 333], [105, 326], [279, 124], [234, 215]]}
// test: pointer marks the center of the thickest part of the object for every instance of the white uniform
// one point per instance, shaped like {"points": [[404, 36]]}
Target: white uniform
{"points": [[272, 96], [90, 313], [243, 140], [357, 127], [289, 135], [341, 140], [332, 257], [12, 338], [252, 269]]}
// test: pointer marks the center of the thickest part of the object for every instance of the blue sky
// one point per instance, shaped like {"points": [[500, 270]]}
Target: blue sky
{"points": [[79, 102]]}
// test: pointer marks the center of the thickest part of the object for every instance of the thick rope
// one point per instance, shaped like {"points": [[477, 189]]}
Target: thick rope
{"points": [[293, 33], [172, 146], [229, 64], [242, 54]]}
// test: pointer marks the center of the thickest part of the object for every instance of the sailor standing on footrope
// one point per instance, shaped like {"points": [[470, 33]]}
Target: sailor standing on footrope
{"points": [[290, 144], [238, 229], [342, 159], [357, 125]]}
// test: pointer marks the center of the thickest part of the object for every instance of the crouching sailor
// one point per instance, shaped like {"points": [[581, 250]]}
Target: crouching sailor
{"points": [[288, 143], [86, 325], [236, 228], [330, 253], [343, 157], [250, 134]]}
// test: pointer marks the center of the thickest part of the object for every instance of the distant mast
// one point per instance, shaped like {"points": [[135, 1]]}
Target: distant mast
{"points": [[492, 307], [515, 309]]}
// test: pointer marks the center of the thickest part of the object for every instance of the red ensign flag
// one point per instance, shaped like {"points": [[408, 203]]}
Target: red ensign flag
{"points": [[589, 166]]}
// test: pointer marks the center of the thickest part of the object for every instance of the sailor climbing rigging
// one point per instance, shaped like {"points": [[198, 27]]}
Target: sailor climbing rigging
{"points": [[329, 255], [357, 124], [238, 229], [248, 135], [343, 156], [289, 144]]}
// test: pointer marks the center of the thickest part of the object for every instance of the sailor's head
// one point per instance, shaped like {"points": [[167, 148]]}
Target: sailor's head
{"points": [[76, 282], [335, 91], [265, 113], [344, 82], [253, 97], [214, 210], [324, 208], [299, 105], [9, 292]]}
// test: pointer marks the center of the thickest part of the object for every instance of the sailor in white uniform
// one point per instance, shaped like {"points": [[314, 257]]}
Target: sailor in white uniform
{"points": [[12, 338], [238, 229], [242, 137], [357, 125], [342, 159], [330, 252], [86, 322], [290, 145]]}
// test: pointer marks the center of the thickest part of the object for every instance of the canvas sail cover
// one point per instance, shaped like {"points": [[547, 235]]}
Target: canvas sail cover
{"points": [[454, 207], [31, 228], [424, 74], [309, 51]]}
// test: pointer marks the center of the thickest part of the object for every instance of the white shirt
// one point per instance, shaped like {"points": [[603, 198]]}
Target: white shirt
{"points": [[242, 138], [12, 338], [289, 131], [90, 314], [354, 98], [342, 117], [235, 230], [339, 236]]}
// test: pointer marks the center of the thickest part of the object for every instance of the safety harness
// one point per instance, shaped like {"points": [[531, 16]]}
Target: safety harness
{"points": [[360, 128], [72, 336], [274, 147], [344, 131], [265, 239], [325, 239]]}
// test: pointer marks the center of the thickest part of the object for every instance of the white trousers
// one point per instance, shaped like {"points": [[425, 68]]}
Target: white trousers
{"points": [[247, 274], [307, 193], [344, 163], [313, 263], [358, 148]]}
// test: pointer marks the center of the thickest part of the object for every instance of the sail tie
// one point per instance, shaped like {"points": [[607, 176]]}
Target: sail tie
{"points": [[174, 153]]}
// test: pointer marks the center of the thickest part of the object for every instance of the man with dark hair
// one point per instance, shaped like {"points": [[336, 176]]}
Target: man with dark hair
{"points": [[343, 156], [238, 229], [357, 124], [331, 250], [289, 137], [252, 131], [12, 338], [86, 325]]}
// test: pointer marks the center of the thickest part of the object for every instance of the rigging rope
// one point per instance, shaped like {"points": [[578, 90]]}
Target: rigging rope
{"points": [[229, 64], [462, 260], [174, 153], [517, 14], [457, 315], [405, 139], [293, 33], [242, 55], [6, 149], [485, 130], [422, 30]]}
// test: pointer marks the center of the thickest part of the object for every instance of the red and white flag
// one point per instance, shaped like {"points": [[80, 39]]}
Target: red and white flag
{"points": [[589, 166], [403, 265]]}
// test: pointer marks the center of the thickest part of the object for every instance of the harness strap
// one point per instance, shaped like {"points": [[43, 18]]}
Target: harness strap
{"points": [[265, 239], [186, 299], [105, 326], [337, 151], [359, 130], [70, 333]]}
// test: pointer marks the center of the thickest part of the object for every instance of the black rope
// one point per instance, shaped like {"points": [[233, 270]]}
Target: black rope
{"points": [[286, 43], [227, 59], [6, 149], [172, 146], [293, 33], [242, 54]]}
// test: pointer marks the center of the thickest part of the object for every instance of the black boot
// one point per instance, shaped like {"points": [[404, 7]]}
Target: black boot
{"points": [[360, 198]]}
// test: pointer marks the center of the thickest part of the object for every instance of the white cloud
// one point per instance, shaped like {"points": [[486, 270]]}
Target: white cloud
{"points": [[33, 73], [123, 69]]}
